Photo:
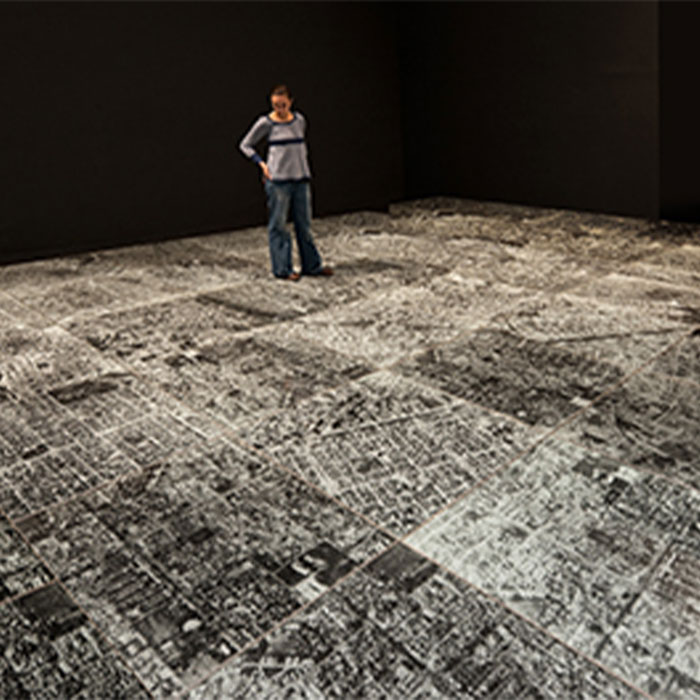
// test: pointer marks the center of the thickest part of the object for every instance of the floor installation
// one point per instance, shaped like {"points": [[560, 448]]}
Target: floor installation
{"points": [[467, 465]]}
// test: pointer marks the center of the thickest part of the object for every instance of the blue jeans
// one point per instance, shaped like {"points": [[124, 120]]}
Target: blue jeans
{"points": [[281, 196]]}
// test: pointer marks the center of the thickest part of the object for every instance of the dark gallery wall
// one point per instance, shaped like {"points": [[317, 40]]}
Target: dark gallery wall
{"points": [[120, 122], [679, 23], [551, 103]]}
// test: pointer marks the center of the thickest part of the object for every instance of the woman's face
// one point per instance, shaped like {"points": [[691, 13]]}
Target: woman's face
{"points": [[281, 105]]}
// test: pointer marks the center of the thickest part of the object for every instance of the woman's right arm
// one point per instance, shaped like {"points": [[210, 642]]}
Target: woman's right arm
{"points": [[256, 132]]}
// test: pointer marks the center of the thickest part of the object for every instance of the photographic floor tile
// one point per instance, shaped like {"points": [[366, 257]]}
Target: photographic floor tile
{"points": [[356, 278], [651, 421], [567, 317], [573, 540], [449, 224], [600, 239], [19, 314], [673, 302], [581, 224], [361, 277], [368, 242], [6, 319], [390, 250], [26, 279], [379, 397], [35, 481], [20, 570], [657, 271], [658, 642], [177, 265], [682, 360], [623, 336], [352, 221], [69, 422], [442, 206], [402, 320], [378, 329], [678, 257], [186, 561], [475, 299], [248, 243], [32, 358], [237, 376], [173, 330], [401, 471], [42, 463], [49, 649], [206, 362], [402, 628], [524, 266], [532, 380], [468, 256], [63, 300]]}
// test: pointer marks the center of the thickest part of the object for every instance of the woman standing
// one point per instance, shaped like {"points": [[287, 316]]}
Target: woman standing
{"points": [[286, 177]]}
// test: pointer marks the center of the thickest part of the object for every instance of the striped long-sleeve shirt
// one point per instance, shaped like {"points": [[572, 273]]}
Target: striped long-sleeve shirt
{"points": [[287, 158]]}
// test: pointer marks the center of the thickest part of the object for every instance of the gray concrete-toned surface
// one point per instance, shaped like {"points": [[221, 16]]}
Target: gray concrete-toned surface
{"points": [[466, 465]]}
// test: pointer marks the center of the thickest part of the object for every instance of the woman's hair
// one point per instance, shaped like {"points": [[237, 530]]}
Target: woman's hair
{"points": [[281, 90]]}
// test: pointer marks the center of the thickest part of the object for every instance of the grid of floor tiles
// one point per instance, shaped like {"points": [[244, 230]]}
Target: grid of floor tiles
{"points": [[467, 465]]}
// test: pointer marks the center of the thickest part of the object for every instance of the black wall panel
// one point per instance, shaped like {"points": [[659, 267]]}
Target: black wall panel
{"points": [[679, 29], [120, 121], [553, 103]]}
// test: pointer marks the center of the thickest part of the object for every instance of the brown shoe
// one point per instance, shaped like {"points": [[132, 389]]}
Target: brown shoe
{"points": [[326, 271], [294, 277]]}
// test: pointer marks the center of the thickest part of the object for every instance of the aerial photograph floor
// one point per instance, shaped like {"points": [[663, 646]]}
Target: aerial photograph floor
{"points": [[467, 465]]}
